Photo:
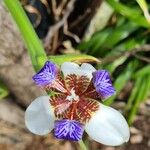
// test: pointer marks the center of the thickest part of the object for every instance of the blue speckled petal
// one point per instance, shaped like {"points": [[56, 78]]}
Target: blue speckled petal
{"points": [[46, 75], [103, 84], [68, 130]]}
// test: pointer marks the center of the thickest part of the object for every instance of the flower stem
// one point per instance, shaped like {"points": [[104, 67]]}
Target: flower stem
{"points": [[82, 145], [32, 42]]}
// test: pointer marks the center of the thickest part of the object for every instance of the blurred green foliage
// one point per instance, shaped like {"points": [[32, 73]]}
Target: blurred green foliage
{"points": [[118, 47], [3, 90]]}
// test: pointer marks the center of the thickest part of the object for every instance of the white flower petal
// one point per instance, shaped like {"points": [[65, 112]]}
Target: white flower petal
{"points": [[39, 116], [88, 67], [108, 126], [69, 68], [73, 68]]}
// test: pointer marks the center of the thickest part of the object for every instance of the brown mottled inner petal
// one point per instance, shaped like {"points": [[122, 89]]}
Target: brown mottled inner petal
{"points": [[82, 110], [91, 92], [78, 101], [78, 83], [85, 108], [60, 104]]}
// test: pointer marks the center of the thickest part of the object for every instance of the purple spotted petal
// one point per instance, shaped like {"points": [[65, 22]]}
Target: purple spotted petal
{"points": [[68, 130], [103, 84], [46, 75]]}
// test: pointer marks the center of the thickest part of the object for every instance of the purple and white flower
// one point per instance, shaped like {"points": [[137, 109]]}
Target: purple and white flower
{"points": [[74, 106]]}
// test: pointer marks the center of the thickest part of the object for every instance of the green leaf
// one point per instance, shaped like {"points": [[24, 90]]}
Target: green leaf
{"points": [[77, 58], [101, 43], [142, 72], [147, 88], [138, 100], [112, 66], [128, 45], [131, 13], [119, 33], [133, 94], [3, 90], [100, 39], [144, 7], [96, 39]]}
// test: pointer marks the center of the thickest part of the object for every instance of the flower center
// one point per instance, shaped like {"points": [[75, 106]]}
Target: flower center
{"points": [[72, 96]]}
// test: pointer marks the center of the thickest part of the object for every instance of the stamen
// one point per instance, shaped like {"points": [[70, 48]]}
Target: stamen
{"points": [[73, 96], [58, 85]]}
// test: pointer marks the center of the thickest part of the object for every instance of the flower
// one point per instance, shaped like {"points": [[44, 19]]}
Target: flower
{"points": [[73, 105], [46, 75]]}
